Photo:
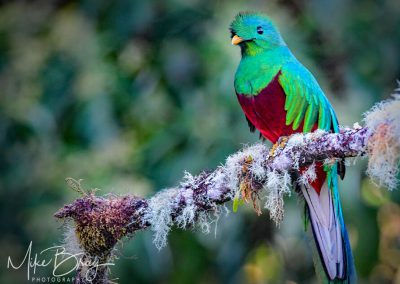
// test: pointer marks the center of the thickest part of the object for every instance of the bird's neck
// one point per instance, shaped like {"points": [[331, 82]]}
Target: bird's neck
{"points": [[257, 70]]}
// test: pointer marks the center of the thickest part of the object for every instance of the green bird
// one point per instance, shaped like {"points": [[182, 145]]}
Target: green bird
{"points": [[280, 97]]}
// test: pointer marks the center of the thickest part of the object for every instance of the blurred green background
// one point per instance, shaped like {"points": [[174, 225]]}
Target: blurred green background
{"points": [[128, 94]]}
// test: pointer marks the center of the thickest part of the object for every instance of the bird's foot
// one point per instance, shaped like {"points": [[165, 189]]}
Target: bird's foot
{"points": [[281, 143]]}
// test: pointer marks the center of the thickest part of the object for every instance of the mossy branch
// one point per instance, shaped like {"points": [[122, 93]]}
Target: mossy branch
{"points": [[100, 222]]}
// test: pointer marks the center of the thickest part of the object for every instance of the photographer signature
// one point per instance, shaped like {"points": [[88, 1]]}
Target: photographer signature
{"points": [[57, 258]]}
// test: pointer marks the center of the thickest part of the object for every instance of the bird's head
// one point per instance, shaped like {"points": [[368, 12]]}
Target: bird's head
{"points": [[254, 33]]}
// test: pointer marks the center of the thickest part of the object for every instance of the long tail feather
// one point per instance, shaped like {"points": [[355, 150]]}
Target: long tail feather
{"points": [[329, 231]]}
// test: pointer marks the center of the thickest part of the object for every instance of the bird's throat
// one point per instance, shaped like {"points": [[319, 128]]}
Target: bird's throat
{"points": [[251, 48]]}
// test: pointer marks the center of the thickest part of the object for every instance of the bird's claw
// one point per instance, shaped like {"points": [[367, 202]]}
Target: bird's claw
{"points": [[281, 143]]}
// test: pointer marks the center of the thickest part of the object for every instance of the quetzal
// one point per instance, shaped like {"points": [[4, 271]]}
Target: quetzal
{"points": [[279, 97]]}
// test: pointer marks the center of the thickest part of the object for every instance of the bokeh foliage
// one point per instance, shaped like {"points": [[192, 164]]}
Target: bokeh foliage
{"points": [[129, 94]]}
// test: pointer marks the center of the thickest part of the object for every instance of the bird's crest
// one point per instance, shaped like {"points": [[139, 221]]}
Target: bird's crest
{"points": [[242, 19]]}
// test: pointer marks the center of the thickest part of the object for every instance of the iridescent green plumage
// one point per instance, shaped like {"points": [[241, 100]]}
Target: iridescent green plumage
{"points": [[305, 100]]}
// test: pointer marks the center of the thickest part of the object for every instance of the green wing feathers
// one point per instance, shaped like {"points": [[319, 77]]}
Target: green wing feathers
{"points": [[305, 101]]}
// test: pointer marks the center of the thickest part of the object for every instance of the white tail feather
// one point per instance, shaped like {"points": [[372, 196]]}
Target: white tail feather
{"points": [[326, 228]]}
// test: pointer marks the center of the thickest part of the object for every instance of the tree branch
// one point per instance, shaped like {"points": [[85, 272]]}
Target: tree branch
{"points": [[100, 222]]}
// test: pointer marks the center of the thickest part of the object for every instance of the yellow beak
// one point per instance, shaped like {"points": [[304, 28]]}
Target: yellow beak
{"points": [[236, 40]]}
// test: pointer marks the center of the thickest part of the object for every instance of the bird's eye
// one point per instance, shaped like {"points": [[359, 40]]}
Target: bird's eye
{"points": [[260, 30]]}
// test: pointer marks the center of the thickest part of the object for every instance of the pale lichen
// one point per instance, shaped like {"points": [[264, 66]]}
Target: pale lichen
{"points": [[277, 186], [159, 215], [308, 176], [384, 145], [70, 240]]}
